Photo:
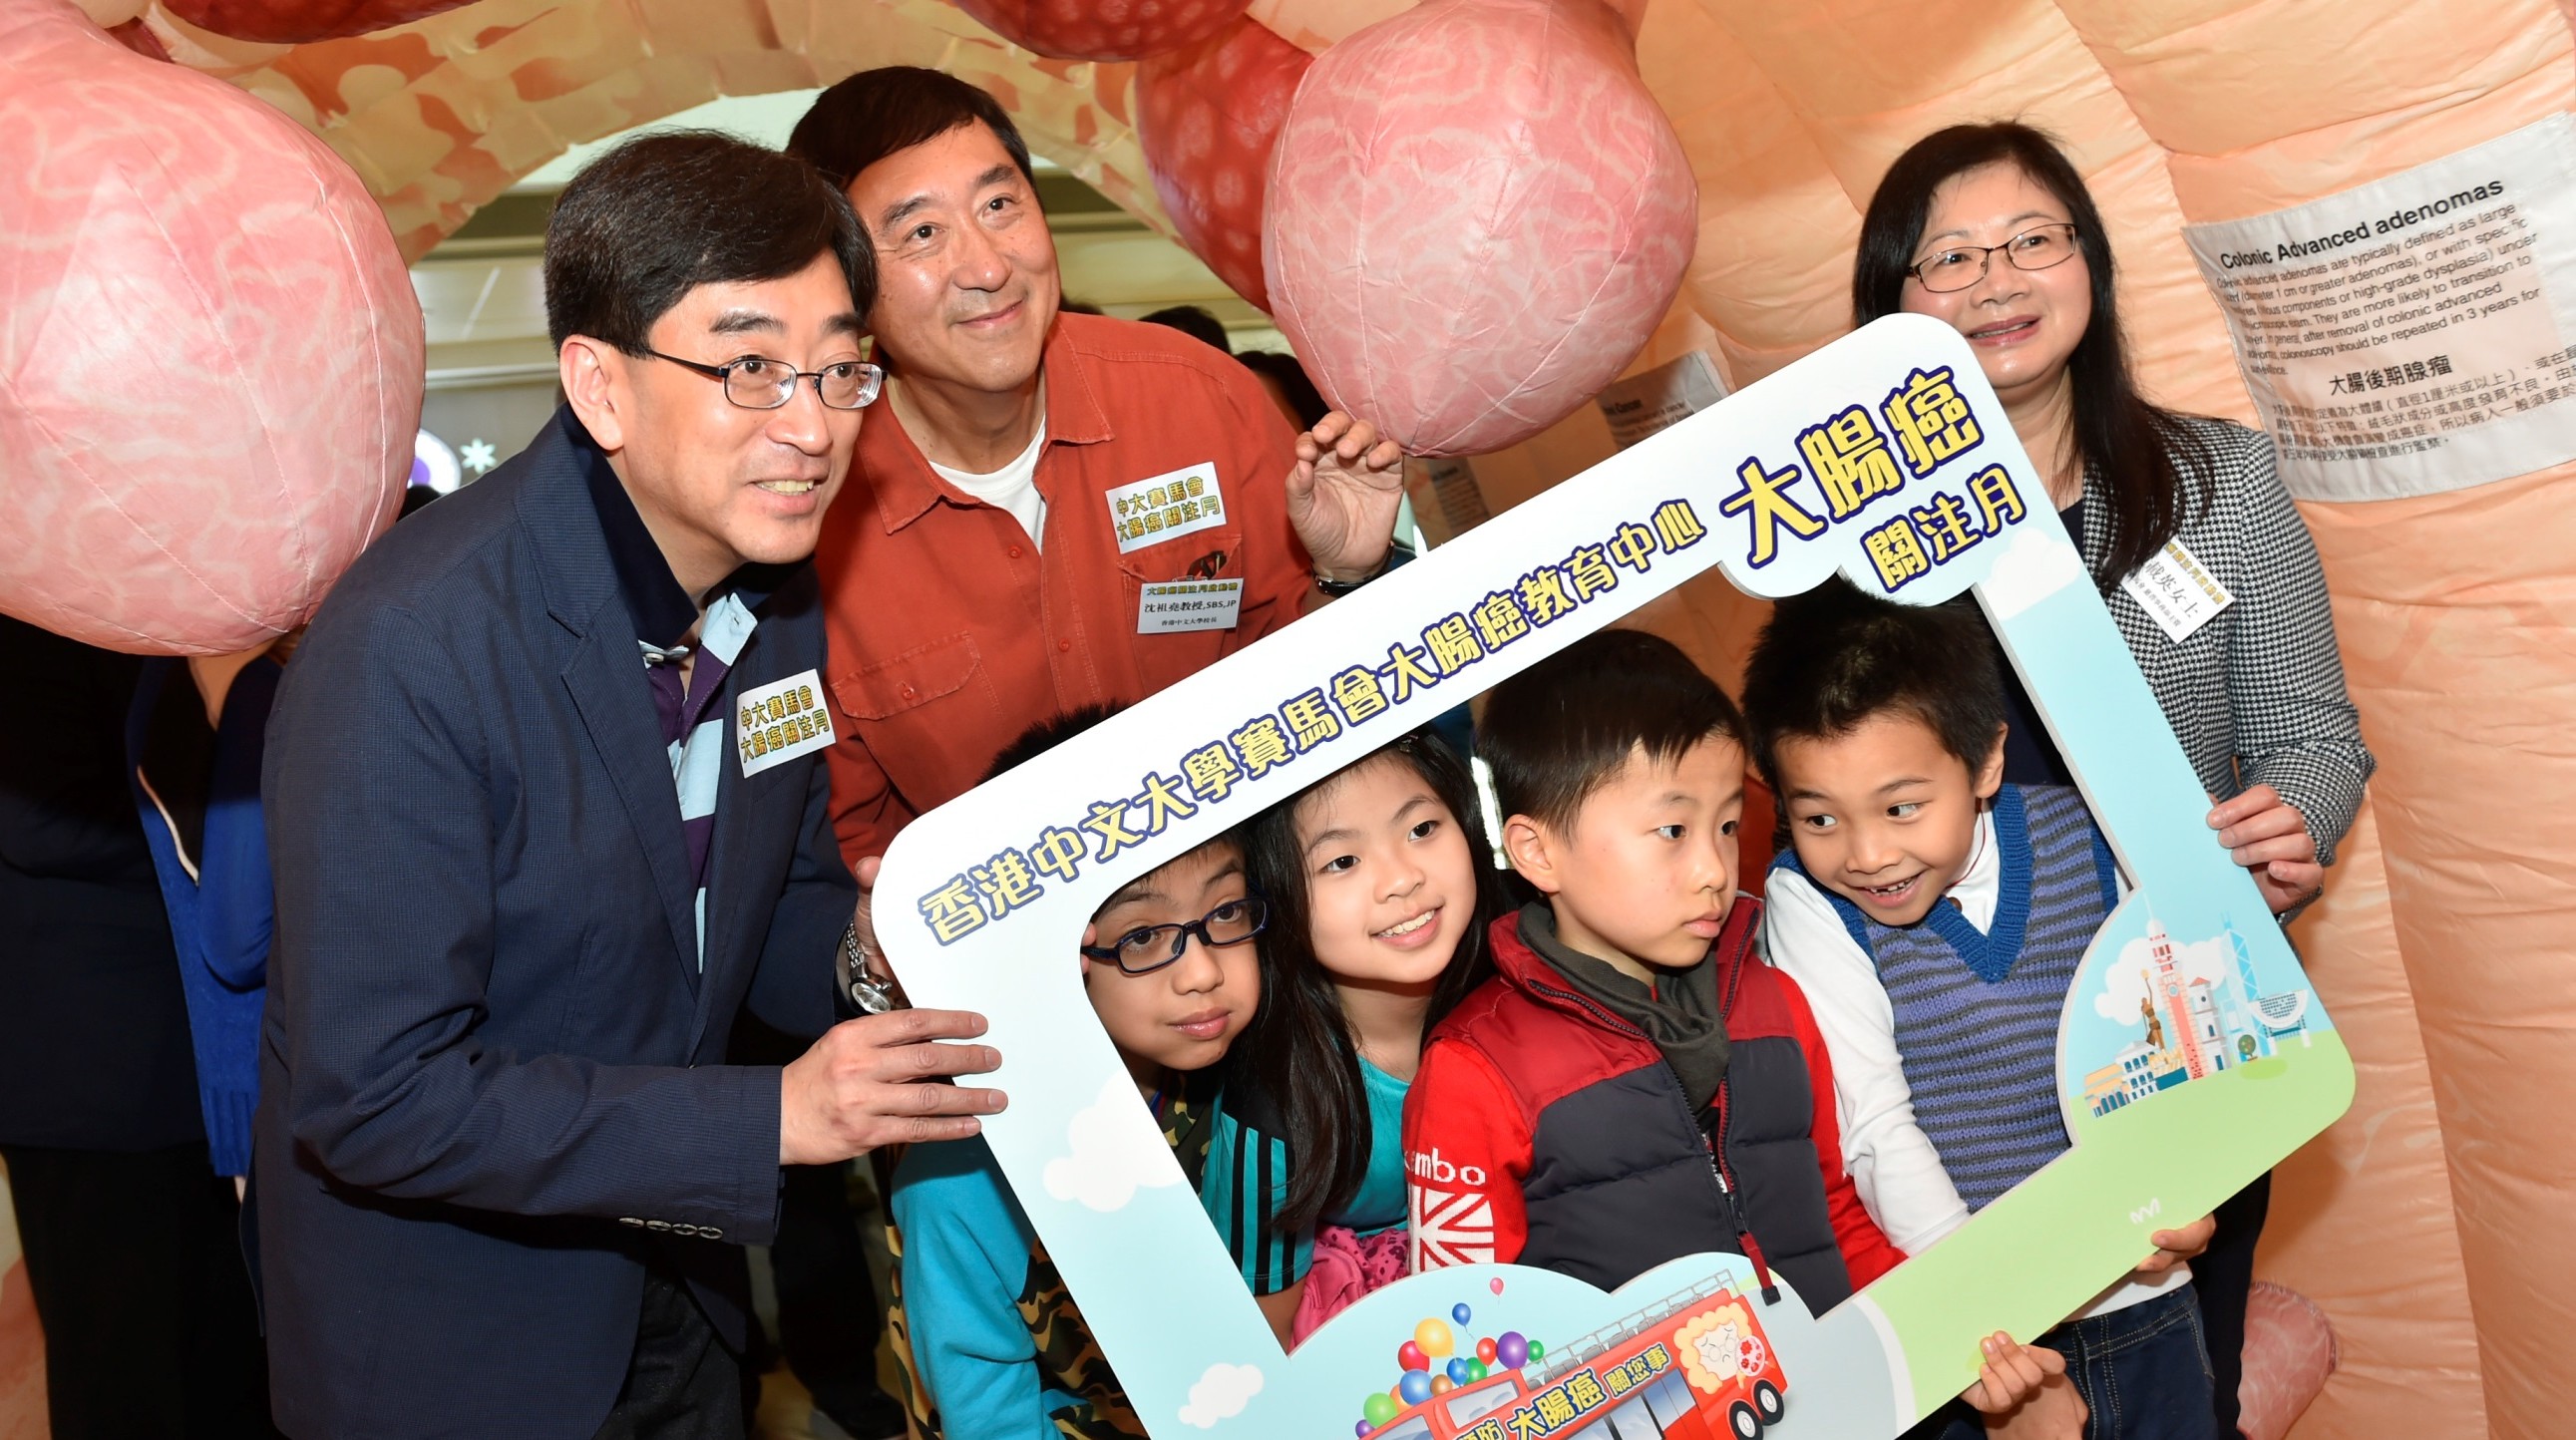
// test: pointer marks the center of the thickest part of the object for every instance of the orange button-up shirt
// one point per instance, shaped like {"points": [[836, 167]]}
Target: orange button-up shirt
{"points": [[951, 634]]}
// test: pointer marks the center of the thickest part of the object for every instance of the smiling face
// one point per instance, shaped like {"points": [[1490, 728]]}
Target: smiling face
{"points": [[1882, 814], [1644, 876], [1185, 1015], [1390, 877], [719, 485], [967, 285], [2023, 324]]}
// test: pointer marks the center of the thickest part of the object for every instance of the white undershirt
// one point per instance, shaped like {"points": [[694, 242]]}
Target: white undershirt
{"points": [[1014, 487], [1893, 1165]]}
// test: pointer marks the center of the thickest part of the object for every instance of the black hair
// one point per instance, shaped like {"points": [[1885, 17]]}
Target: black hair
{"points": [[1045, 735], [1832, 658], [1299, 1053], [1566, 726], [1195, 322], [876, 113], [662, 214], [1291, 378], [2136, 445]]}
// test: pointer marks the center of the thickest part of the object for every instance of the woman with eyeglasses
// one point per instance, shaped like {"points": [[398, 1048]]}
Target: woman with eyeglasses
{"points": [[1990, 229]]}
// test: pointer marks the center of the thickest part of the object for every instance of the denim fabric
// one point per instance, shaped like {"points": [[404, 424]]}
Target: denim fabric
{"points": [[2143, 1372]]}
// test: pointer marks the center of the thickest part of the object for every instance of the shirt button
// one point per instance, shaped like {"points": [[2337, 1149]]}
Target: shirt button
{"points": [[909, 692], [1064, 646], [1015, 552]]}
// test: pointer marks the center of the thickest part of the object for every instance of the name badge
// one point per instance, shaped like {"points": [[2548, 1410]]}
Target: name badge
{"points": [[1150, 512], [2177, 591], [780, 721], [1170, 605]]}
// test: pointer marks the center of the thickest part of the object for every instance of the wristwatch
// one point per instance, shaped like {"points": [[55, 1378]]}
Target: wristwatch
{"points": [[872, 995], [1336, 589]]}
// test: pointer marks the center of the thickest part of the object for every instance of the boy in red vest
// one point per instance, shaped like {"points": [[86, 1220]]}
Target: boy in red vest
{"points": [[1635, 1084]]}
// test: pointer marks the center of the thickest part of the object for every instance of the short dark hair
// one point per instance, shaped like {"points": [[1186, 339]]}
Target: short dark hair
{"points": [[1834, 657], [1291, 378], [662, 214], [1566, 726], [1045, 735], [2145, 452], [1195, 322], [877, 112]]}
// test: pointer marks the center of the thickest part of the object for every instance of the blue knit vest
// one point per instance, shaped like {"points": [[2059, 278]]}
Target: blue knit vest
{"points": [[1977, 1014]]}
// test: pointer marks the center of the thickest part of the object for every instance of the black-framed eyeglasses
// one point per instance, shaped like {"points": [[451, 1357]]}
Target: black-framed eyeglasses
{"points": [[1956, 267], [1149, 948], [756, 382]]}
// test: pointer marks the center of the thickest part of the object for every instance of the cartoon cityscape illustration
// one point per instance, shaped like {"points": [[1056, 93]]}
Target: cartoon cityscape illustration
{"points": [[2195, 1028], [1696, 1365]]}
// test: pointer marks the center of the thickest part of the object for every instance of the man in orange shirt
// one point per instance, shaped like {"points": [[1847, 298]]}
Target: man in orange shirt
{"points": [[1034, 475]]}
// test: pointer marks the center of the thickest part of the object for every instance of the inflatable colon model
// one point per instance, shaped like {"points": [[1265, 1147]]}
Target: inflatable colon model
{"points": [[1468, 215], [211, 352]]}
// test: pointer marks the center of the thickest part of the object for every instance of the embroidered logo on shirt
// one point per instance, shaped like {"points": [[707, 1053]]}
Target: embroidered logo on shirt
{"points": [[1450, 1227], [780, 721], [1151, 511]]}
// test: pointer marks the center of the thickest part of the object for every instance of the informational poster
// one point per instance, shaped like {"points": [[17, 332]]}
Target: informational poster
{"points": [[1446, 501], [2413, 335], [2192, 1055], [1658, 399]]}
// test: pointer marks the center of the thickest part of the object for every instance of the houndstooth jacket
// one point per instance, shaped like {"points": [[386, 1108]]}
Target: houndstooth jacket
{"points": [[2256, 694]]}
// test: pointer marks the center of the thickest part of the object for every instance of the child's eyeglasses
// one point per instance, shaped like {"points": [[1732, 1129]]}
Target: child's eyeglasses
{"points": [[1149, 948]]}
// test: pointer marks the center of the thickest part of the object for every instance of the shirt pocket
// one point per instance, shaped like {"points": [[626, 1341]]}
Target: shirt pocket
{"points": [[928, 717], [1167, 659]]}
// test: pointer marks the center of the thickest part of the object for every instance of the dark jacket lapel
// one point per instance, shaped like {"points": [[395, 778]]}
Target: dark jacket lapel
{"points": [[605, 672]]}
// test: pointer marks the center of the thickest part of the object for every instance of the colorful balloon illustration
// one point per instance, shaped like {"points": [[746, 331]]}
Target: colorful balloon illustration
{"points": [[1414, 1388], [1434, 1338]]}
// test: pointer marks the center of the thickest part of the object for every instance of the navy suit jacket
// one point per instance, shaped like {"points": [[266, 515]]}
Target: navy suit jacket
{"points": [[492, 1078]]}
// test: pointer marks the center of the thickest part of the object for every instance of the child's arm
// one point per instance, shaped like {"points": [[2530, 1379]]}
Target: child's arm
{"points": [[1466, 1152], [964, 1265], [1866, 1252], [1897, 1172]]}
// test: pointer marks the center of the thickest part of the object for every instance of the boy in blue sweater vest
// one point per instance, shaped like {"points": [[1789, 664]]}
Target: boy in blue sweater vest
{"points": [[1935, 918]]}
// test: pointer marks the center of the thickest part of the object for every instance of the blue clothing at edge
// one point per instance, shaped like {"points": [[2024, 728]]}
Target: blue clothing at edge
{"points": [[223, 917]]}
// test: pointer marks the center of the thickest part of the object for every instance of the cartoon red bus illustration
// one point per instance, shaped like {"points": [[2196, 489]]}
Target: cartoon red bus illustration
{"points": [[1695, 1366]]}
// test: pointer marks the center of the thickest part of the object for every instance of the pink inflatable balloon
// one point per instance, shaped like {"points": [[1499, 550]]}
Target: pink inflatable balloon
{"points": [[1477, 217], [210, 356], [2289, 1352], [1208, 117], [1103, 29]]}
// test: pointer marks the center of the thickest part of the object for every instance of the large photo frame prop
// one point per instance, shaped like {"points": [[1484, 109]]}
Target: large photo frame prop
{"points": [[1884, 457]]}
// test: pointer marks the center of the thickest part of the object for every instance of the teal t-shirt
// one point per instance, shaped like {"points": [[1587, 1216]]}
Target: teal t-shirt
{"points": [[1247, 1177], [1379, 1204]]}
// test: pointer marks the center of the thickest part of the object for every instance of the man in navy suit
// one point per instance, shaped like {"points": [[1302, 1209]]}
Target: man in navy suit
{"points": [[547, 810]]}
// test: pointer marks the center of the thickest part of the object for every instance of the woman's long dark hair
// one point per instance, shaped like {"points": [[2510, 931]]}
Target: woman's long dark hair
{"points": [[2140, 448], [1300, 1052]]}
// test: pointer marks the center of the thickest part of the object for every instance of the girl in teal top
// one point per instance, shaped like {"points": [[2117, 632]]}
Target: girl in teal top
{"points": [[1381, 888]]}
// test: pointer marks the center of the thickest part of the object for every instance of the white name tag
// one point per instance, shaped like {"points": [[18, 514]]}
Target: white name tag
{"points": [[780, 721], [2177, 591], [1170, 605], [1150, 512]]}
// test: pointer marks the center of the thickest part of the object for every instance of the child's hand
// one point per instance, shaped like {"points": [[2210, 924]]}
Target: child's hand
{"points": [[2022, 1392], [2175, 1246]]}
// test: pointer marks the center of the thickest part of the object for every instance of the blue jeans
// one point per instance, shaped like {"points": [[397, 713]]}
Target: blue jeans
{"points": [[2143, 1373]]}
